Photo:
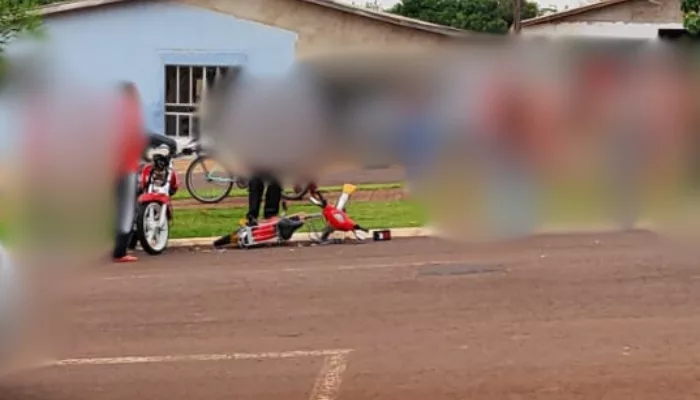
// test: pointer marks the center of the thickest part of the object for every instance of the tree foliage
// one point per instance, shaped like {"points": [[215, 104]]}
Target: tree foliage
{"points": [[488, 16], [17, 17], [691, 16]]}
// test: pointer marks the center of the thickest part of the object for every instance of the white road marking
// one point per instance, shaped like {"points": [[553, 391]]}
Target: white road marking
{"points": [[199, 357], [125, 277], [356, 267], [327, 385]]}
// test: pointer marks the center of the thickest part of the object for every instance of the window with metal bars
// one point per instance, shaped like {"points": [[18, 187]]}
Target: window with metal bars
{"points": [[185, 87]]}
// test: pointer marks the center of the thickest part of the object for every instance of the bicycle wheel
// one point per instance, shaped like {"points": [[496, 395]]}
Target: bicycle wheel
{"points": [[242, 183], [299, 191], [205, 171]]}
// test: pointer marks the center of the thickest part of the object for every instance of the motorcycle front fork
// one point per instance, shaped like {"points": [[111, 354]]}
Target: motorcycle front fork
{"points": [[133, 240], [325, 234], [327, 231]]}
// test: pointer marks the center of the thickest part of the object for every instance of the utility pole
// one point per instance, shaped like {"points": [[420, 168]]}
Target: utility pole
{"points": [[517, 15]]}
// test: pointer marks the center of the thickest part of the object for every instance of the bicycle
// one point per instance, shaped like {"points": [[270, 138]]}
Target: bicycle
{"points": [[219, 175]]}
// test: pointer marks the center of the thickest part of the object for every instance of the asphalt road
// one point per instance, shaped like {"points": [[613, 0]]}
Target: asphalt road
{"points": [[566, 317]]}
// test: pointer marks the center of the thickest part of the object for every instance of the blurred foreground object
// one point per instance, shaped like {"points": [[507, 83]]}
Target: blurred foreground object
{"points": [[19, 346], [10, 304], [518, 136], [59, 137], [269, 123]]}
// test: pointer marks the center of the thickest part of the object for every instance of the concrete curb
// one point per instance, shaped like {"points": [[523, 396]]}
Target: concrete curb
{"points": [[427, 232], [300, 237]]}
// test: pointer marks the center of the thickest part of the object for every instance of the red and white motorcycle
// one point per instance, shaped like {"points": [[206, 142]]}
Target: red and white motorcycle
{"points": [[158, 182]]}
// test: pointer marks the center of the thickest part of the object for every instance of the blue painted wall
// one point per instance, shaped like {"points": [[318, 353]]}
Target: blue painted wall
{"points": [[134, 42]]}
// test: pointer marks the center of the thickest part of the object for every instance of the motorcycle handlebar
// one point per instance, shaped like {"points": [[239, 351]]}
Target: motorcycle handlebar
{"points": [[318, 199], [156, 140]]}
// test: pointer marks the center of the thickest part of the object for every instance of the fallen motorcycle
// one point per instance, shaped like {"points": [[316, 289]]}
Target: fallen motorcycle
{"points": [[280, 230]]}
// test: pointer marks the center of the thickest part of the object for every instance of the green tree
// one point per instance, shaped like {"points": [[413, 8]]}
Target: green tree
{"points": [[488, 16], [17, 17], [691, 16], [529, 10]]}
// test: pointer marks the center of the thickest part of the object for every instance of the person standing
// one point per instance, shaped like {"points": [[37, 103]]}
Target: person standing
{"points": [[131, 141], [273, 197]]}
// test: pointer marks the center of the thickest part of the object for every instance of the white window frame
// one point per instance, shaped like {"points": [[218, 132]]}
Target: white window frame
{"points": [[174, 109]]}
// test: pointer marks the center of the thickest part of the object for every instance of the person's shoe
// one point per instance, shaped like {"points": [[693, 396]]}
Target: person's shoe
{"points": [[126, 259], [252, 222]]}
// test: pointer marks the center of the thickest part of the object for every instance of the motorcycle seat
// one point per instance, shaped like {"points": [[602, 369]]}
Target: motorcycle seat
{"points": [[286, 227]]}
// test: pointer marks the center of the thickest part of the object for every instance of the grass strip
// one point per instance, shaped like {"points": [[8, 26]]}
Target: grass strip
{"points": [[371, 215]]}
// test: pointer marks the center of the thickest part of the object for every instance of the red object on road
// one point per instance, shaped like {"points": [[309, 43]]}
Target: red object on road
{"points": [[382, 235]]}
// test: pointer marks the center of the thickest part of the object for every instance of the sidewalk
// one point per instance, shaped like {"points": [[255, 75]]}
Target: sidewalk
{"points": [[302, 237], [397, 233]]}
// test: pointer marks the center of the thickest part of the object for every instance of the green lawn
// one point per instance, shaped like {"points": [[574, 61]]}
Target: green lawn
{"points": [[207, 222], [569, 207], [371, 215]]}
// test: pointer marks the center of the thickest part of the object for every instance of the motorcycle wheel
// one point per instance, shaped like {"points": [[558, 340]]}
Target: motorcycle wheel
{"points": [[153, 238]]}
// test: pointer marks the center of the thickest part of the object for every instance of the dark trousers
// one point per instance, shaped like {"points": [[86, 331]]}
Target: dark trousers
{"points": [[126, 205], [273, 196]]}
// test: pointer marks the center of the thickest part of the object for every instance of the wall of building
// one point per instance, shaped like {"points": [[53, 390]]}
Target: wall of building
{"points": [[633, 19], [601, 29], [638, 11], [134, 42], [319, 28]]}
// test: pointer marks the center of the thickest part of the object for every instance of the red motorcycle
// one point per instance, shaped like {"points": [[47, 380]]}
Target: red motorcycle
{"points": [[158, 182], [280, 230]]}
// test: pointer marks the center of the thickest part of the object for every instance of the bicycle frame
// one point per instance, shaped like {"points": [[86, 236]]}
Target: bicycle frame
{"points": [[210, 177]]}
